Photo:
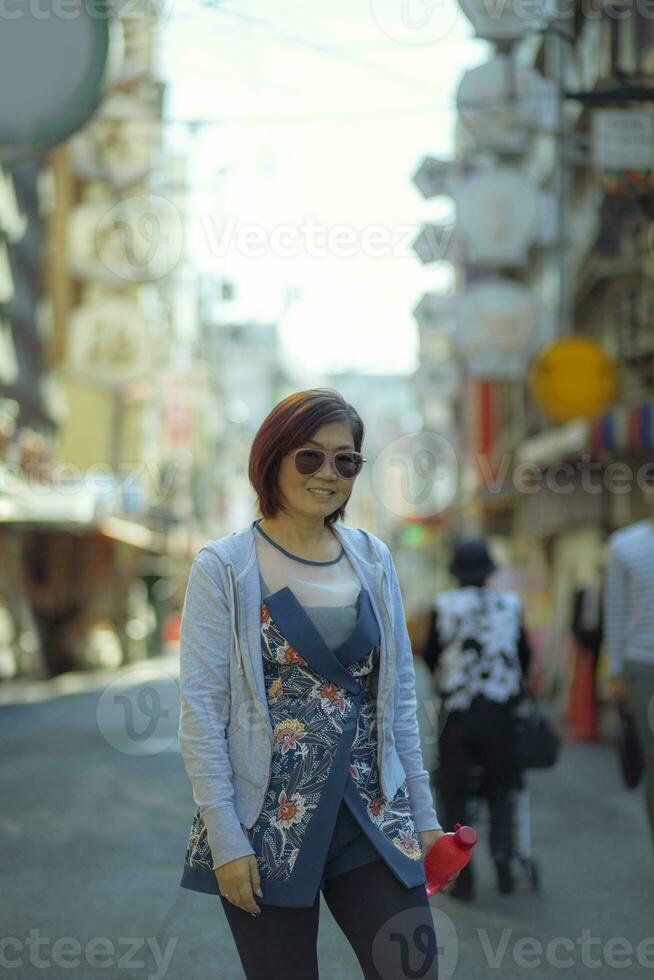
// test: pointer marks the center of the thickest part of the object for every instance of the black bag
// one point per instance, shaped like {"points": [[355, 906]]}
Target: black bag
{"points": [[630, 750], [536, 744]]}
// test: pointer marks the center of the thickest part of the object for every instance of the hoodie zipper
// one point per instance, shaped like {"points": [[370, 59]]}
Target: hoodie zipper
{"points": [[382, 708], [234, 615], [236, 606]]}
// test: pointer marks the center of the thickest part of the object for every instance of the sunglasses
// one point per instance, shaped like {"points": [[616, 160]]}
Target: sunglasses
{"points": [[347, 463]]}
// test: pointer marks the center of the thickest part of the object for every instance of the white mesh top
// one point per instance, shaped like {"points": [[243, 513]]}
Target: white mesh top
{"points": [[327, 590]]}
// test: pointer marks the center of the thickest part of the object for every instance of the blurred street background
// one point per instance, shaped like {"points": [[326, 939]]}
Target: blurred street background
{"points": [[446, 213]]}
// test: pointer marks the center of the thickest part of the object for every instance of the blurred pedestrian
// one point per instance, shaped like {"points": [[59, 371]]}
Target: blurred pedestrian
{"points": [[298, 722], [586, 632], [478, 649], [629, 630]]}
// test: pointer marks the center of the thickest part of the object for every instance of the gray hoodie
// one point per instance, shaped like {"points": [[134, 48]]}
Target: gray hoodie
{"points": [[225, 735]]}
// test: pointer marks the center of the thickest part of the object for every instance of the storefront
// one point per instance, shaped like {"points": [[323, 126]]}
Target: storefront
{"points": [[79, 587]]}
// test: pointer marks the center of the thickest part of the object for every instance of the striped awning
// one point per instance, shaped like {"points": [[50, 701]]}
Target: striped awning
{"points": [[624, 427]]}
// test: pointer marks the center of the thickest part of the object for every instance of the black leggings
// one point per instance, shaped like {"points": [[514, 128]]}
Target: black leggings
{"points": [[389, 927]]}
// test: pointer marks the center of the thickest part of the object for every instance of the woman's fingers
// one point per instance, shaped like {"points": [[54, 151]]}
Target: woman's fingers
{"points": [[254, 877], [241, 895], [246, 900]]}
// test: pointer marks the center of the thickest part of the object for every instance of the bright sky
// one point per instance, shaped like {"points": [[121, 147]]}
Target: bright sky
{"points": [[323, 112]]}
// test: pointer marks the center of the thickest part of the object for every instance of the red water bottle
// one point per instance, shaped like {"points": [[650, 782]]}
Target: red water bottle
{"points": [[447, 856]]}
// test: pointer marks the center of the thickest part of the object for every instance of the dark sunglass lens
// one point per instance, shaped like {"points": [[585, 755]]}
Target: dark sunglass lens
{"points": [[347, 464], [308, 461]]}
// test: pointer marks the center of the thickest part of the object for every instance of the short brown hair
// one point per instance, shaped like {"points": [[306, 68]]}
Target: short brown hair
{"points": [[286, 427]]}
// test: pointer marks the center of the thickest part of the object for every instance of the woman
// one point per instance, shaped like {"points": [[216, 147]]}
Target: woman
{"points": [[478, 647], [298, 720]]}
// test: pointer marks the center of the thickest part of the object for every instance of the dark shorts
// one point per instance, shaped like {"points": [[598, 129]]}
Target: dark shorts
{"points": [[350, 848]]}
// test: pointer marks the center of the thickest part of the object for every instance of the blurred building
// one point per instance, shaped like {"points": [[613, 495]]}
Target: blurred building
{"points": [[244, 359], [393, 495], [552, 183], [604, 277], [387, 405], [97, 508]]}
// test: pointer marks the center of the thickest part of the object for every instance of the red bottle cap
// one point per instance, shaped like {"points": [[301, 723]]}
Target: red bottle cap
{"points": [[466, 837]]}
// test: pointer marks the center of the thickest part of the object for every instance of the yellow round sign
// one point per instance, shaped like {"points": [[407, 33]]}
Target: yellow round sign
{"points": [[573, 377]]}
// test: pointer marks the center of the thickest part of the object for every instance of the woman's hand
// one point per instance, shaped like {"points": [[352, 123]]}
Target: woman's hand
{"points": [[427, 838], [237, 882]]}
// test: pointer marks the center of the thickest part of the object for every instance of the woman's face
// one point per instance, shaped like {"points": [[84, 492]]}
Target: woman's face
{"points": [[297, 489]]}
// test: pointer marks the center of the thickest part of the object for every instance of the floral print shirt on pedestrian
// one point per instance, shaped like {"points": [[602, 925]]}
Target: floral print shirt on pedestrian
{"points": [[477, 639]]}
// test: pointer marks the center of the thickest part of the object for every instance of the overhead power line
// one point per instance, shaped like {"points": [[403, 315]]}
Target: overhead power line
{"points": [[317, 47]]}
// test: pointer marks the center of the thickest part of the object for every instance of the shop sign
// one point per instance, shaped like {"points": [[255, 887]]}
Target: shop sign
{"points": [[438, 379], [178, 411], [109, 340], [623, 139], [134, 239], [499, 326], [497, 213], [435, 243], [118, 144], [435, 314], [501, 103], [573, 377], [433, 177]]}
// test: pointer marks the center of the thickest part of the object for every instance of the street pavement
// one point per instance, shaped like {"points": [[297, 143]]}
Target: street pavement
{"points": [[95, 815]]}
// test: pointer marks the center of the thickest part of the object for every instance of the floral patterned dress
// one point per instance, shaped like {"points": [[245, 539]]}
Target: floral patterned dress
{"points": [[322, 706]]}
